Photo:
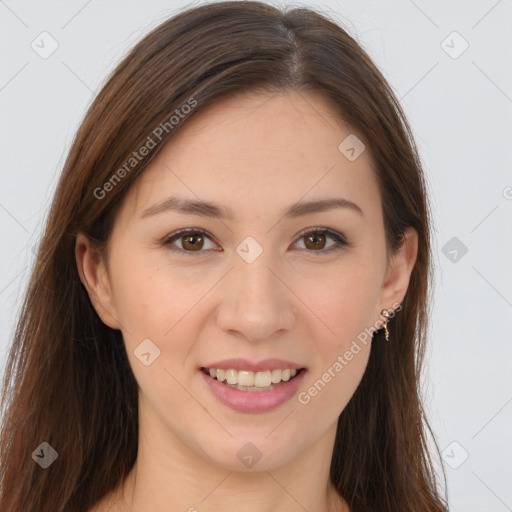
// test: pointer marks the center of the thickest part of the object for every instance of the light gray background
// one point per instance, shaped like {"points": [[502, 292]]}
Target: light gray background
{"points": [[460, 111]]}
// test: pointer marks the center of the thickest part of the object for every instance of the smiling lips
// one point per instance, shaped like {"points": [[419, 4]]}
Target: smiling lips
{"points": [[253, 387]]}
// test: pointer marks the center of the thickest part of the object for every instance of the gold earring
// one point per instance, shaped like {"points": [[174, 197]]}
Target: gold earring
{"points": [[385, 313]]}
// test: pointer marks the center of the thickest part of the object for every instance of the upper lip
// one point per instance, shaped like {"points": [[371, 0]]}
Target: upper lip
{"points": [[245, 364]]}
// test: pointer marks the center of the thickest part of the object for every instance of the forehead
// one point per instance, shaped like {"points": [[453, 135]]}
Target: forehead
{"points": [[253, 151]]}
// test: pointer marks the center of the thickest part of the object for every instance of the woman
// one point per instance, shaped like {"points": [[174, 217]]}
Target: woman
{"points": [[241, 214]]}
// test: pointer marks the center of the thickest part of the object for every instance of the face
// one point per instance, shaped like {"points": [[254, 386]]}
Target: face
{"points": [[254, 281]]}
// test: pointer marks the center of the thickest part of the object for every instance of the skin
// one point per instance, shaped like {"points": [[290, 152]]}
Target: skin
{"points": [[257, 154]]}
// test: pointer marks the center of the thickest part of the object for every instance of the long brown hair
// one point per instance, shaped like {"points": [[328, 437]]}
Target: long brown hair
{"points": [[68, 381]]}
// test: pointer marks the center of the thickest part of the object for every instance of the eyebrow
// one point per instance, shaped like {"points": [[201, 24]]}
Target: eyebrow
{"points": [[210, 209]]}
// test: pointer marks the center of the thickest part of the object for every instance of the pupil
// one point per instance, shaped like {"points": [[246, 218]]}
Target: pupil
{"points": [[192, 237], [315, 239]]}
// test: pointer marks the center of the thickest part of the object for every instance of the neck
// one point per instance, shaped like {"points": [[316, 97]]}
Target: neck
{"points": [[167, 472]]}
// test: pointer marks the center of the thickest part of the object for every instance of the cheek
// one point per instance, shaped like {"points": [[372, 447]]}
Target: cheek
{"points": [[343, 298], [149, 298], [163, 305], [332, 383], [344, 301]]}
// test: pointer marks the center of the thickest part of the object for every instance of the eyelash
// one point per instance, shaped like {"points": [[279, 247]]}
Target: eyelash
{"points": [[341, 241]]}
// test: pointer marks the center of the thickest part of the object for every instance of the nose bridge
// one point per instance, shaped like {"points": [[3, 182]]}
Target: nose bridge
{"points": [[256, 289], [256, 305]]}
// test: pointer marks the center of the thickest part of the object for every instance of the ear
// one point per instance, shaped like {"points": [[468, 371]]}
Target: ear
{"points": [[94, 276], [398, 274]]}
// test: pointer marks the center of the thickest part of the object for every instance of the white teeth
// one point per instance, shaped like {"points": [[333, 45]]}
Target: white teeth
{"points": [[276, 376], [247, 378], [262, 379], [232, 376]]}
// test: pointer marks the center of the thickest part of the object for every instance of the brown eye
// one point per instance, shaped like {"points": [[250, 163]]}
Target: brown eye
{"points": [[192, 242], [315, 241]]}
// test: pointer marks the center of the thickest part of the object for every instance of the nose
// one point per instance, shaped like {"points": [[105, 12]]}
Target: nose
{"points": [[255, 303]]}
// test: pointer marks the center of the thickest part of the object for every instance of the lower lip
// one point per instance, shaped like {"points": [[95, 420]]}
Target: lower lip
{"points": [[254, 401]]}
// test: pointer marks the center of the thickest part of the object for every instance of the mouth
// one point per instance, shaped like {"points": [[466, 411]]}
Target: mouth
{"points": [[251, 392], [250, 381]]}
